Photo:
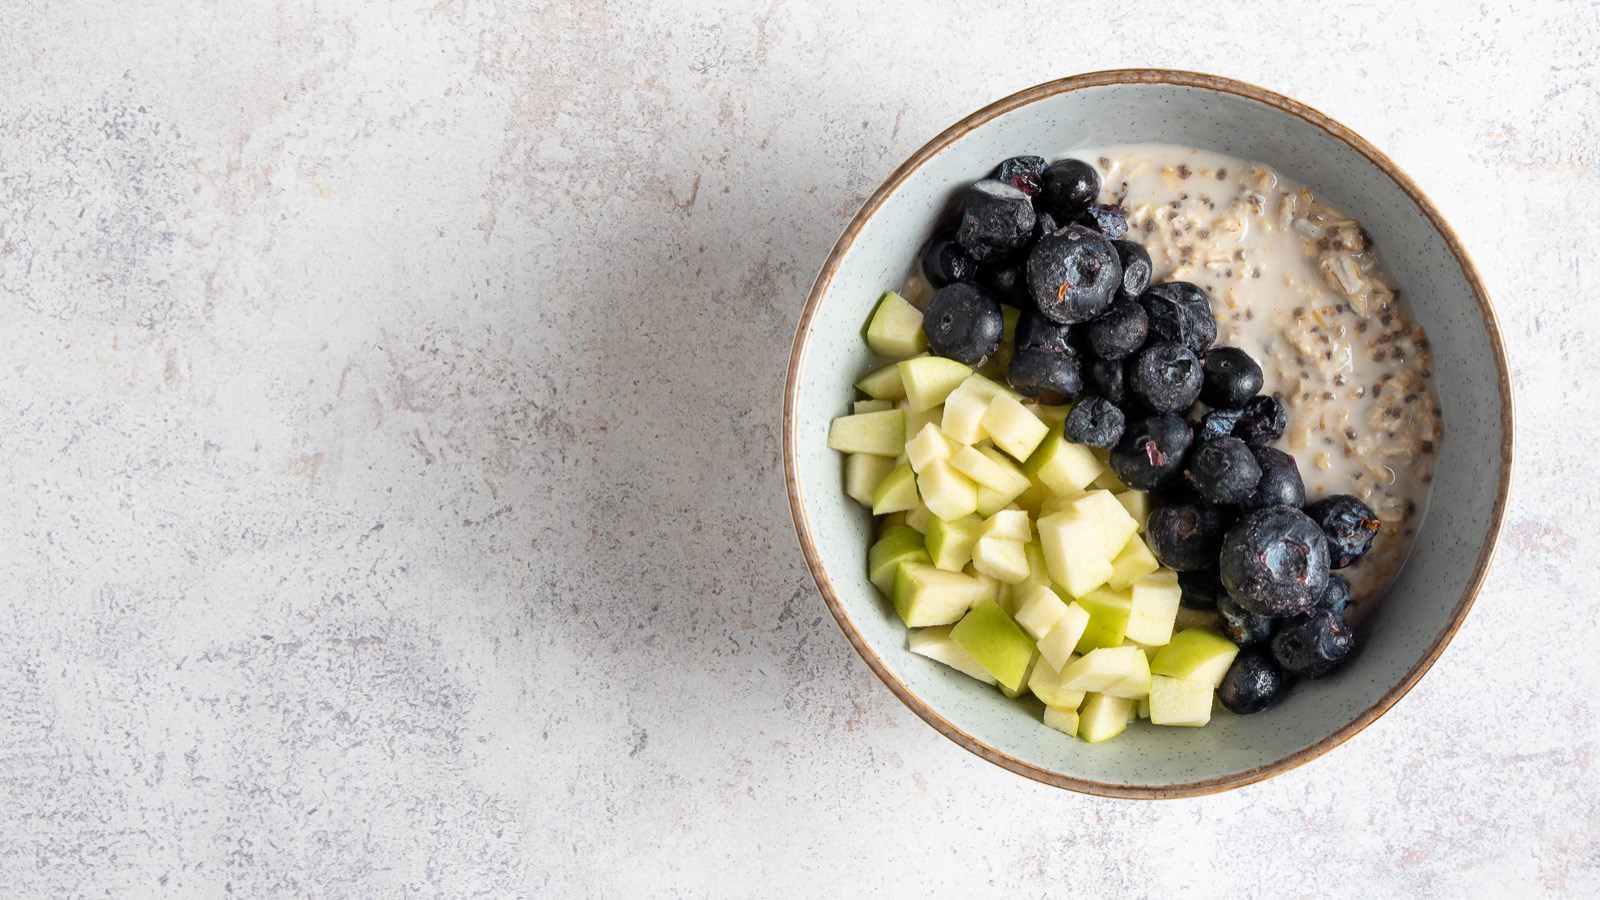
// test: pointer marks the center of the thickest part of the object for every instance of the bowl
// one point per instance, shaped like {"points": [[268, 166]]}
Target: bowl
{"points": [[1455, 542]]}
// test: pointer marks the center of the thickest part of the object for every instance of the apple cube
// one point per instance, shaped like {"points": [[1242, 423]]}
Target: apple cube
{"points": [[897, 492], [862, 474], [1153, 610], [1134, 562], [1137, 503], [883, 384], [1006, 597], [1062, 466], [916, 421], [1062, 720], [936, 644], [989, 469], [1137, 684], [1064, 638], [895, 330], [866, 406], [1045, 683], [1144, 707], [1196, 654], [1074, 551], [1116, 526], [898, 545], [1033, 662], [1104, 668], [920, 517], [878, 433], [1176, 701], [995, 641], [964, 408], [1050, 415], [1038, 609], [1038, 571], [950, 541], [1108, 619], [929, 446], [930, 379], [924, 595], [1001, 559], [1008, 524], [1103, 717], [947, 493], [991, 586], [1107, 480], [1014, 429]]}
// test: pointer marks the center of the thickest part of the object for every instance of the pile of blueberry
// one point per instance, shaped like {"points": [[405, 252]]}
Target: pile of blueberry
{"points": [[1181, 418]]}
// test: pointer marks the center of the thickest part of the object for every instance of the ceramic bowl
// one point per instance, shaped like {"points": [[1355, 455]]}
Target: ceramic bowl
{"points": [[1436, 588]]}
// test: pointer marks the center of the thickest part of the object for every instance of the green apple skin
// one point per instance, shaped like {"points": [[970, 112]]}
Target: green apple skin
{"points": [[1196, 654], [899, 544], [997, 643]]}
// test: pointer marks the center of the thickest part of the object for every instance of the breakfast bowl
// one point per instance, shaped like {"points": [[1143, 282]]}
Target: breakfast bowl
{"points": [[1451, 543]]}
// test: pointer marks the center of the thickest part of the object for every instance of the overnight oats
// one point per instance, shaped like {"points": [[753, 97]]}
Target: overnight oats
{"points": [[1152, 429]]}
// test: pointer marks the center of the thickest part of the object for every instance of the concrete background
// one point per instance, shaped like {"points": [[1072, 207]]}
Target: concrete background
{"points": [[389, 408]]}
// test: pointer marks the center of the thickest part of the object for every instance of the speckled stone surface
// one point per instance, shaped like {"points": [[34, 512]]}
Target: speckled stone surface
{"points": [[389, 421]]}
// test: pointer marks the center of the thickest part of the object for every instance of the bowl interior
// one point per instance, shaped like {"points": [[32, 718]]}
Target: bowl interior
{"points": [[1452, 548]]}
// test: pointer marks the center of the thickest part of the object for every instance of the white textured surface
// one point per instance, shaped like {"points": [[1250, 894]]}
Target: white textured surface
{"points": [[388, 418]]}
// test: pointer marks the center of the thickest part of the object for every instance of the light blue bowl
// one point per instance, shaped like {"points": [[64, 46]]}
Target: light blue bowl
{"points": [[1425, 606]]}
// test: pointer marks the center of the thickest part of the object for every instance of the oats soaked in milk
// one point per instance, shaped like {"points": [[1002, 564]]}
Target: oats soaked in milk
{"points": [[1298, 285]]}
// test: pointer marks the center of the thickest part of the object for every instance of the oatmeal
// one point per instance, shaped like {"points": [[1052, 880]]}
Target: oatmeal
{"points": [[1298, 285]]}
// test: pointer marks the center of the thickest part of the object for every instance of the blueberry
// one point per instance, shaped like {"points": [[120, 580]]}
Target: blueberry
{"points": [[1025, 173], [1034, 330], [1095, 422], [1070, 185], [1231, 377], [1253, 683], [1045, 224], [1223, 470], [1165, 377], [963, 323], [1337, 597], [1073, 274], [1264, 421], [1186, 536], [1242, 626], [1274, 562], [1218, 423], [1106, 218], [1201, 588], [1008, 282], [944, 261], [1349, 525], [996, 221], [1179, 312], [1151, 451], [1136, 269], [1049, 376], [1108, 378], [1118, 331], [1280, 483], [1311, 646]]}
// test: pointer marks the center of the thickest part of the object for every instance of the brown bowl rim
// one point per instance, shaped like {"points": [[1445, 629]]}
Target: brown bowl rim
{"points": [[944, 139]]}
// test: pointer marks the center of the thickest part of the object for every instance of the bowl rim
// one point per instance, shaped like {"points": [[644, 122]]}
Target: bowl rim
{"points": [[928, 151]]}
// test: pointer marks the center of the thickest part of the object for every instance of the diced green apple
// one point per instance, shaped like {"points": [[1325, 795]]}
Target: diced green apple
{"points": [[1105, 668], [1062, 720], [930, 379], [1060, 465], [1002, 559], [1134, 562], [897, 492], [1153, 610], [1014, 429], [883, 384], [950, 541], [1103, 717], [1137, 503], [916, 420], [862, 475], [1064, 638], [1144, 707], [1114, 523], [935, 643], [866, 406], [1038, 609], [1176, 701], [1033, 662], [895, 330], [929, 446], [878, 433], [1196, 654], [1008, 524], [947, 493], [924, 595], [991, 587], [964, 408], [1050, 415], [1108, 481], [1137, 684], [898, 545], [995, 641], [1108, 619], [1044, 682], [989, 471], [1074, 551], [1038, 571]]}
